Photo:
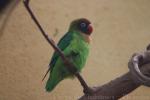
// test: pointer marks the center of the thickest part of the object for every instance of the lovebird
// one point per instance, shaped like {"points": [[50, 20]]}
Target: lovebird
{"points": [[75, 46]]}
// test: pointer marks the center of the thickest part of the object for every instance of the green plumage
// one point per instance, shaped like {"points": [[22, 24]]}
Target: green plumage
{"points": [[76, 49]]}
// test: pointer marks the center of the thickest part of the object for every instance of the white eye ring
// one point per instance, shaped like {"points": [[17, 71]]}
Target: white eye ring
{"points": [[83, 25]]}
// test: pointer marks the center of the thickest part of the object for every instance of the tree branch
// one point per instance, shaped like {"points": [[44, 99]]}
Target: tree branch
{"points": [[121, 86]]}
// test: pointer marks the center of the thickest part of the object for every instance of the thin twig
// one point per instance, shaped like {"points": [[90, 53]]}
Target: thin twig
{"points": [[70, 66]]}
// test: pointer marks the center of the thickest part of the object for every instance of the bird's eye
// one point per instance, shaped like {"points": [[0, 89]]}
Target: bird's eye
{"points": [[83, 25]]}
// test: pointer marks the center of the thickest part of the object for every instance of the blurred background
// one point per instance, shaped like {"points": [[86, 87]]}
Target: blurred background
{"points": [[121, 28]]}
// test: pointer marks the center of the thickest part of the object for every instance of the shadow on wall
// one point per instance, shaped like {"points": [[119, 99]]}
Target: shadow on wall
{"points": [[6, 7], [4, 4]]}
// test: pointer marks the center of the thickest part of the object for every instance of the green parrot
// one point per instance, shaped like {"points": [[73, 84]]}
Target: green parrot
{"points": [[75, 46]]}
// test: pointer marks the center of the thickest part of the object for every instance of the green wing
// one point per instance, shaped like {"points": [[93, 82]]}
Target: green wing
{"points": [[62, 44]]}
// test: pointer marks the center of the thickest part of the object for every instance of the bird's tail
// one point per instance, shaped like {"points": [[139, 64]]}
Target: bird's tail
{"points": [[51, 84], [46, 74]]}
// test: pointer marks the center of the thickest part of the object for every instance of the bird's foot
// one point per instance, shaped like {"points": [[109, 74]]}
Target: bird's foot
{"points": [[90, 91], [53, 41]]}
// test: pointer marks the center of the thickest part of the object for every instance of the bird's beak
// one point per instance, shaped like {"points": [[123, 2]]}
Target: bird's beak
{"points": [[90, 29]]}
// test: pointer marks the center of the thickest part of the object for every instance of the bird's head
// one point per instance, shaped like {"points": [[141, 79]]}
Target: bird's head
{"points": [[82, 25]]}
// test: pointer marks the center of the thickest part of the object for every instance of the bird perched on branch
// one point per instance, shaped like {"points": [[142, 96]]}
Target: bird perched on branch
{"points": [[75, 46]]}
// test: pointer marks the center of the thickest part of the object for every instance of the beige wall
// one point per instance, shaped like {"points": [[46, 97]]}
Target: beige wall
{"points": [[121, 27]]}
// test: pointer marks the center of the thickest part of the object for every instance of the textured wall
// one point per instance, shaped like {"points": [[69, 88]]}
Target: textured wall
{"points": [[121, 27]]}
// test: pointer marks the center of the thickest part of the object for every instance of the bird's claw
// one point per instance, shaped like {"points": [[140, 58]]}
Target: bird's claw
{"points": [[26, 2], [53, 42], [90, 91]]}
